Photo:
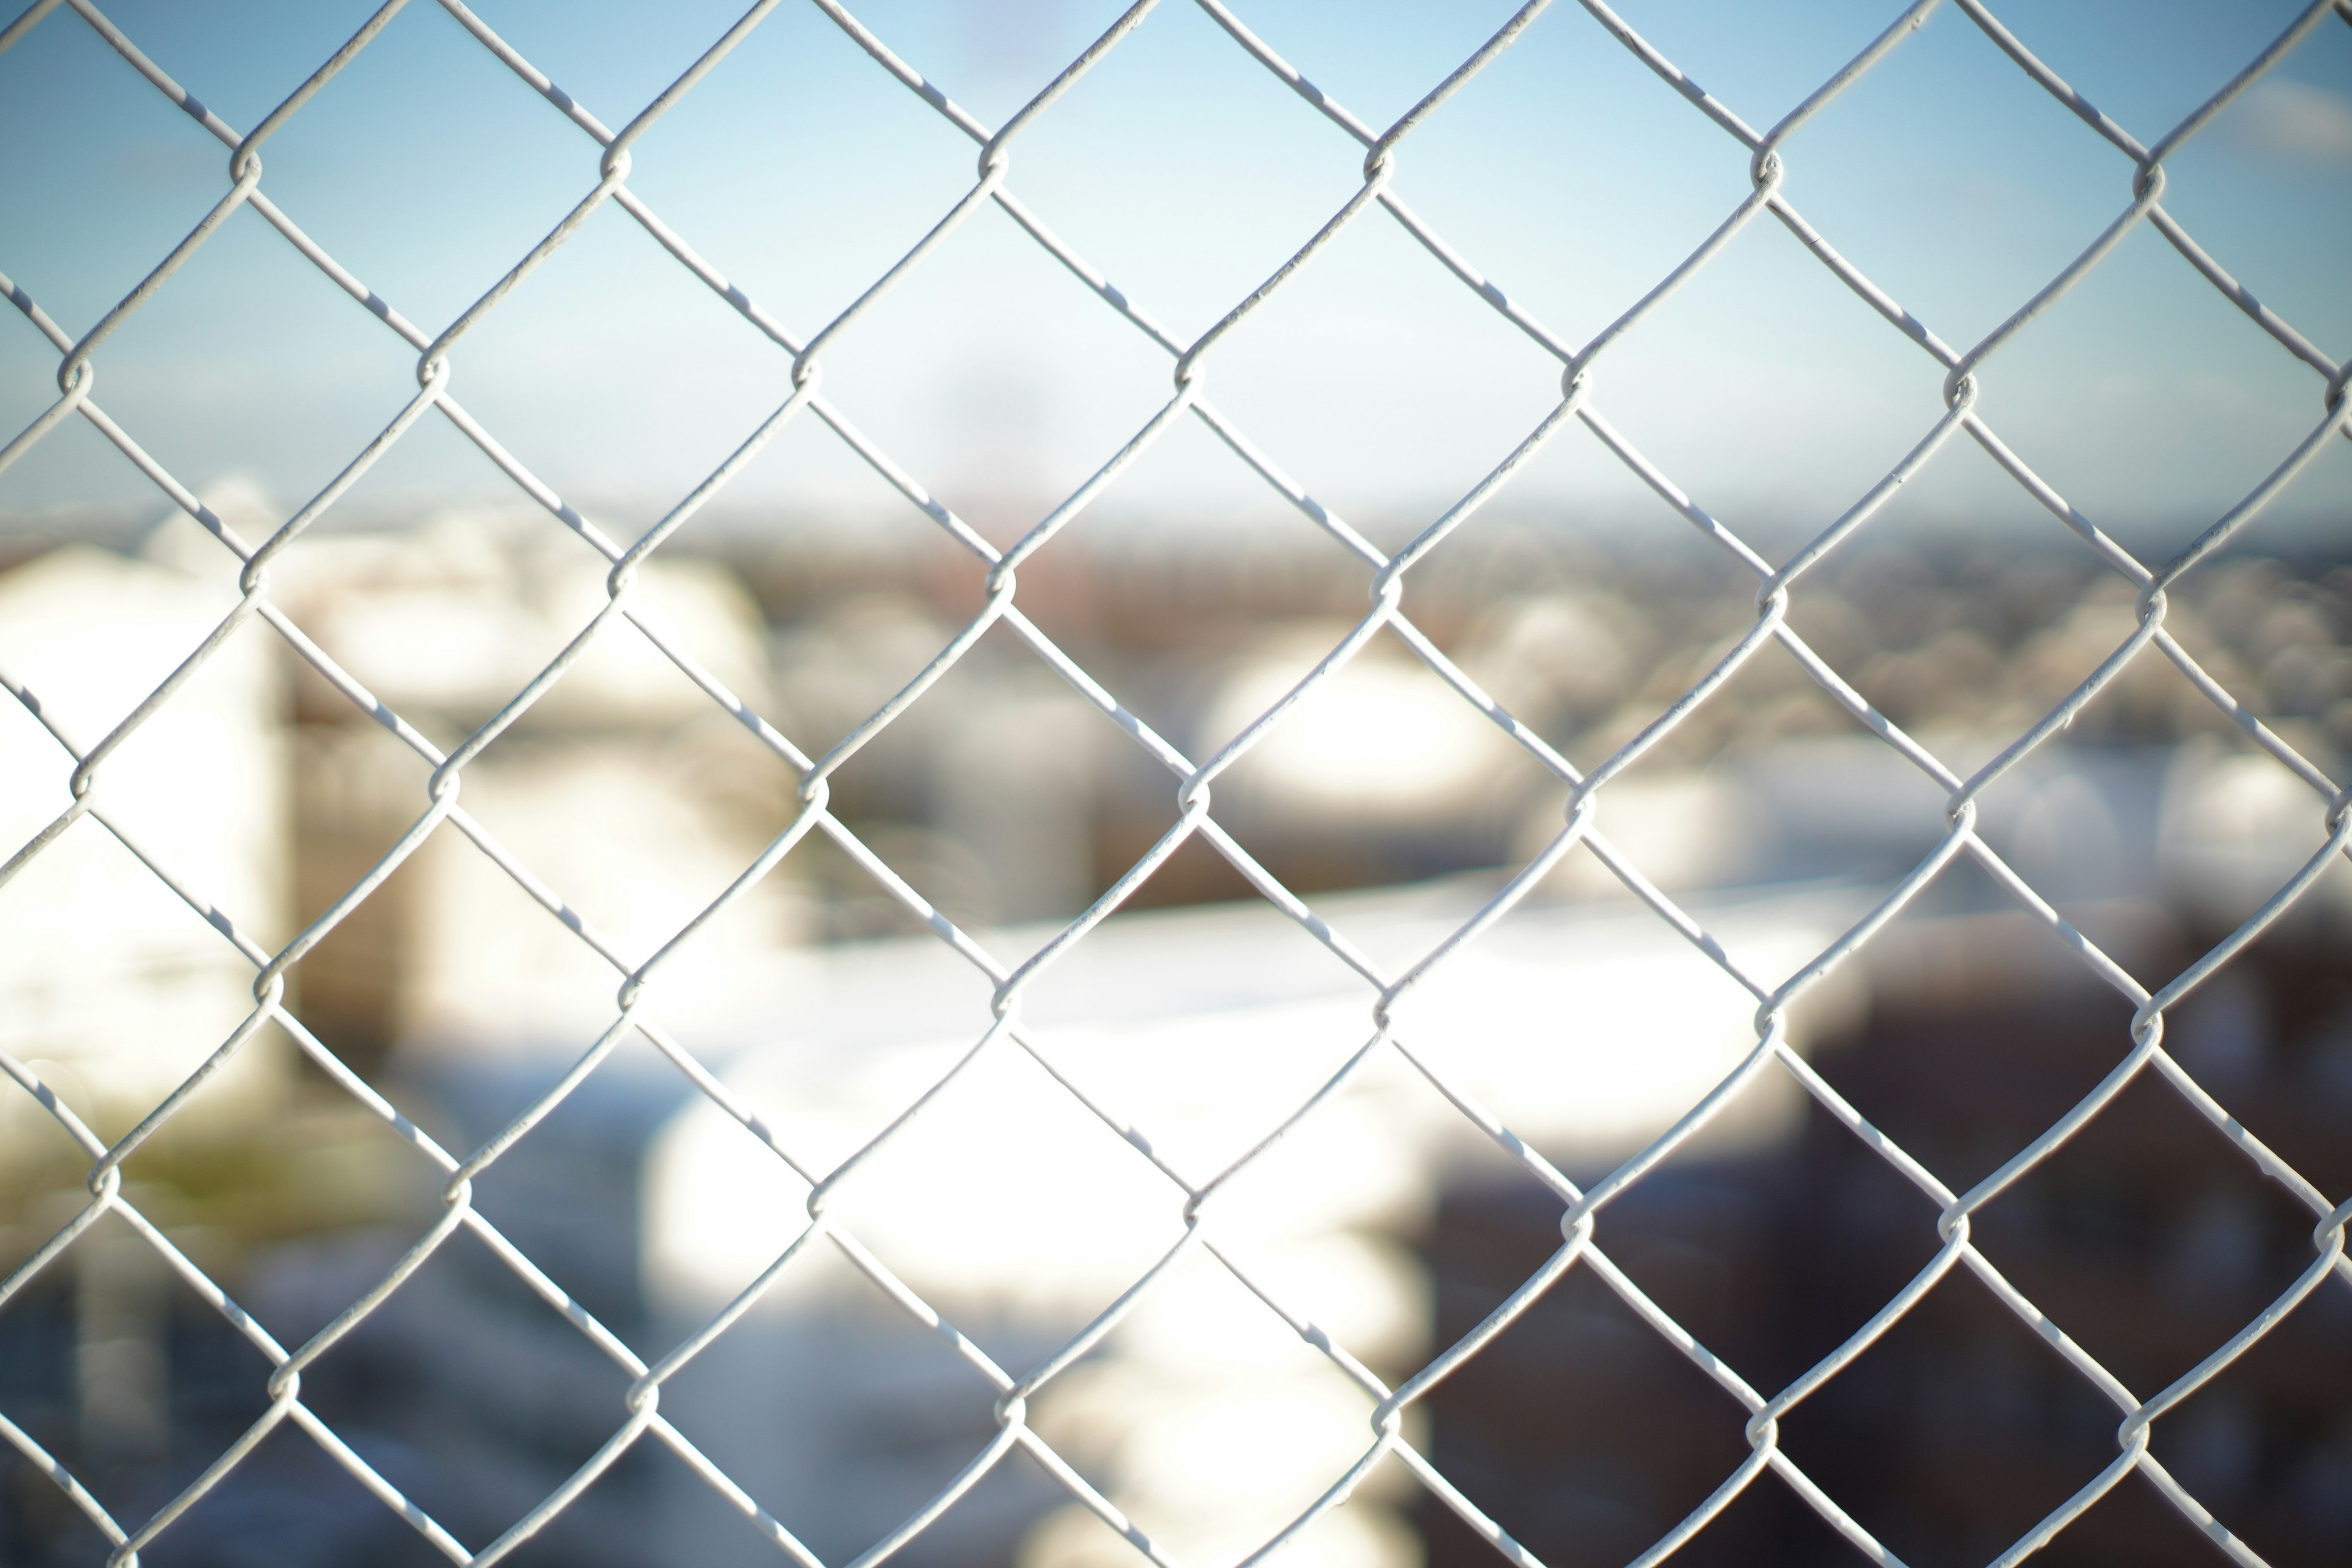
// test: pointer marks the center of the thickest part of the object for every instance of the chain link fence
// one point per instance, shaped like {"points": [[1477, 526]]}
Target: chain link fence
{"points": [[1387, 1439]]}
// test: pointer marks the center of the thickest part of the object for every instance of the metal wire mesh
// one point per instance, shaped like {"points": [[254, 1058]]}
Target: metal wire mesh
{"points": [[1581, 1221]]}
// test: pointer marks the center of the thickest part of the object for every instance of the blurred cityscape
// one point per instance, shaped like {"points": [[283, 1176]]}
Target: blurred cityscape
{"points": [[1009, 802]]}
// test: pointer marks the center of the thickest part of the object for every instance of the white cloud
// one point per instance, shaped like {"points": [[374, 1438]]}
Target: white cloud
{"points": [[2285, 119]]}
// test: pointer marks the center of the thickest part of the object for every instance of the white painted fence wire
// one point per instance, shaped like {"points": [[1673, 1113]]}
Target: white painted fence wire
{"points": [[1583, 394]]}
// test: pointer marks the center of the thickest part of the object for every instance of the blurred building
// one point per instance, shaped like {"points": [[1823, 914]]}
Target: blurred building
{"points": [[1008, 801], [2148, 1240], [111, 986], [624, 790], [1019, 1216]]}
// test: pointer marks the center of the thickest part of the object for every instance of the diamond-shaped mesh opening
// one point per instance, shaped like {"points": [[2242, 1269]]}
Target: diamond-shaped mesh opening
{"points": [[803, 235], [2135, 315], [129, 1381], [2217, 1444], [1134, 202], [433, 230], [2012, 1426], [915, 1413], [701, 379], [2211, 1236], [1578, 1385], [1015, 1236], [1965, 247], [381, 1384], [1795, 379], [1443, 405], [249, 284]]}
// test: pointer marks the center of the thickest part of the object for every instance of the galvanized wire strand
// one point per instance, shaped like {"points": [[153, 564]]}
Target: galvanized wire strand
{"points": [[1903, 320], [76, 378], [581, 1480], [2261, 918]]}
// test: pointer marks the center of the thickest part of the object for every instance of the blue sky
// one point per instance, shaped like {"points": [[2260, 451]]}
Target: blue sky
{"points": [[1567, 172]]}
